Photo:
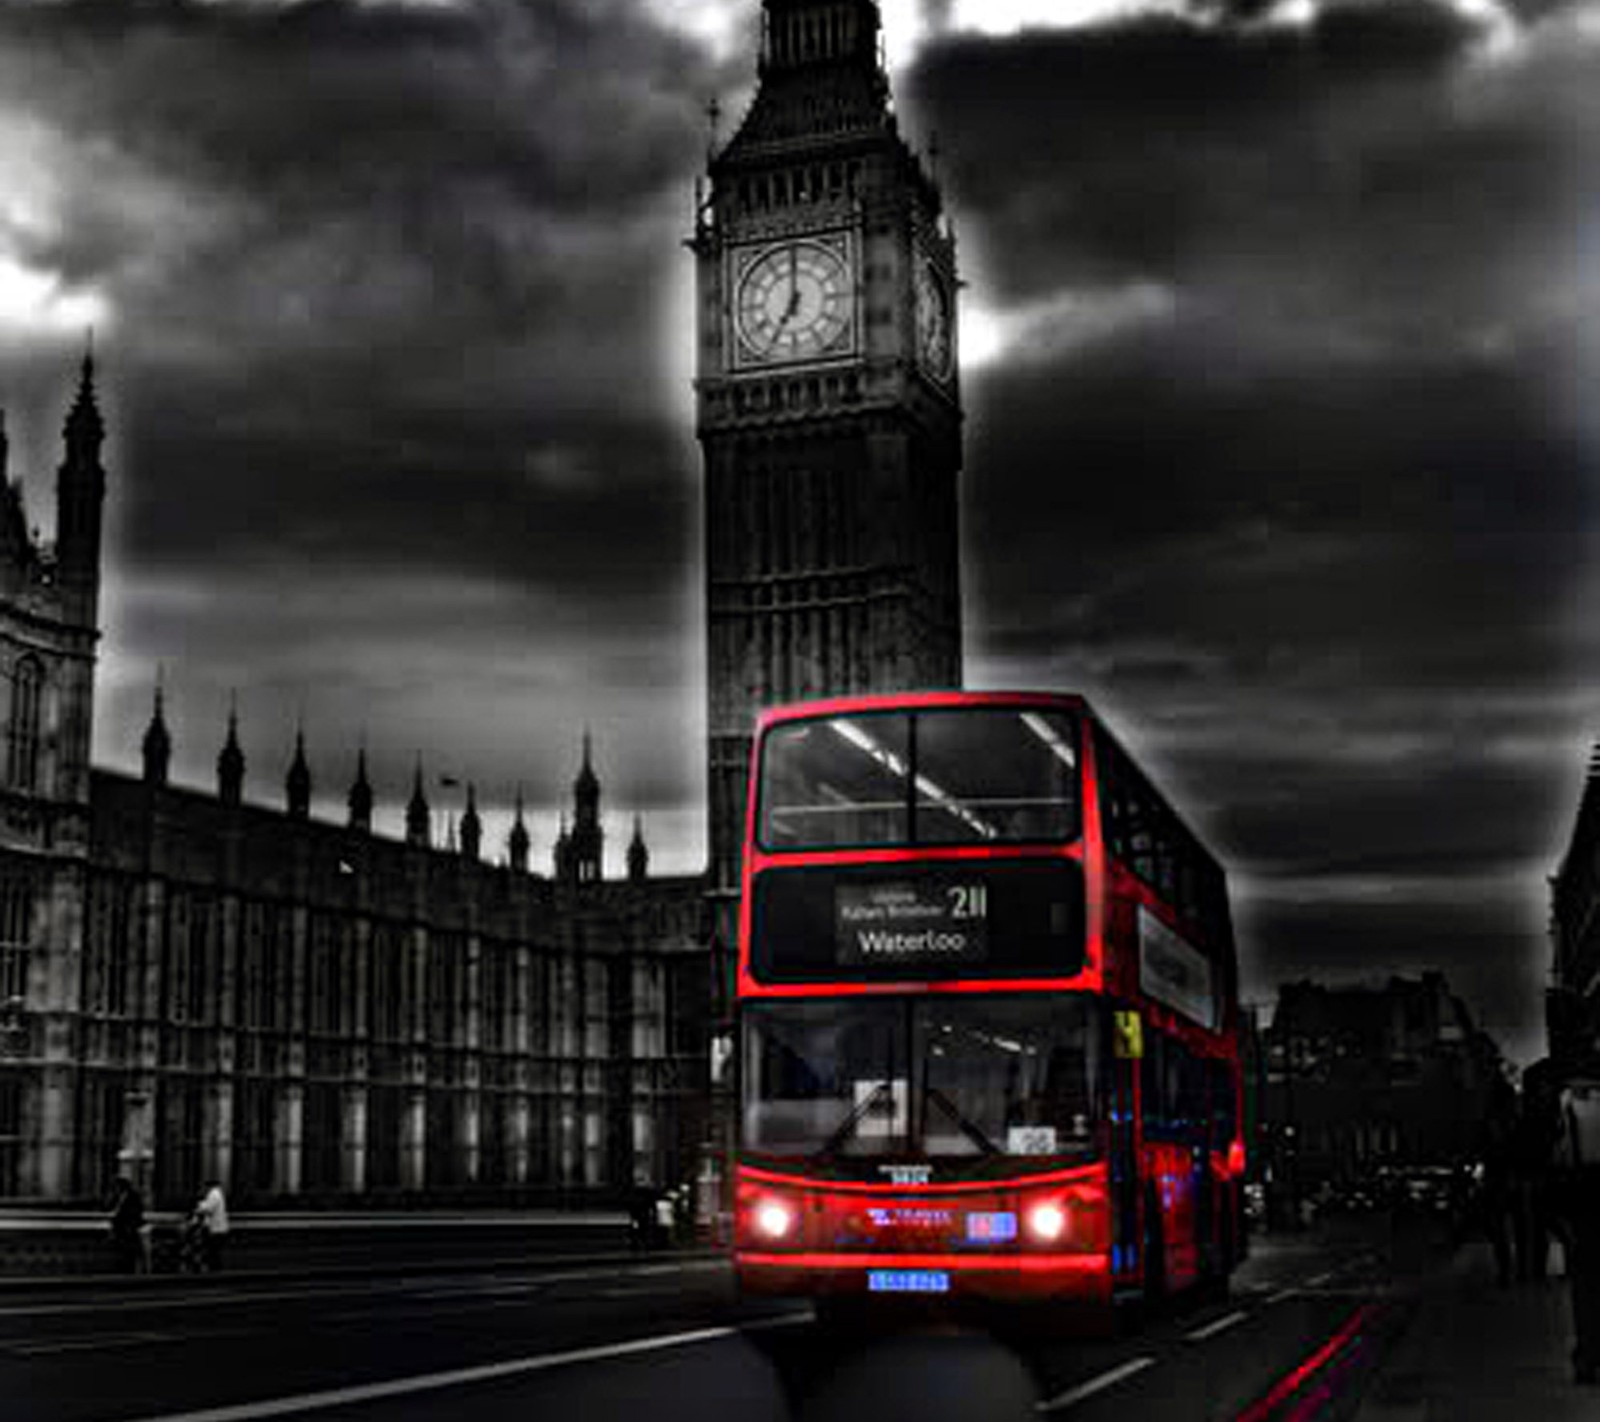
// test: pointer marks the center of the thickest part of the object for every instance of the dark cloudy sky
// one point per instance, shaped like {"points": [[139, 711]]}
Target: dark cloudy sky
{"points": [[1281, 354]]}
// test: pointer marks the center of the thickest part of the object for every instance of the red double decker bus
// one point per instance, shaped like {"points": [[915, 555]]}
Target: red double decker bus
{"points": [[988, 1011]]}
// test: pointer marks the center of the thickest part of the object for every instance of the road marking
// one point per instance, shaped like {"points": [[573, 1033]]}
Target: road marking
{"points": [[1298, 1377], [782, 1320], [1217, 1326], [432, 1382], [139, 1297], [1283, 1294], [1319, 1280], [99, 1340], [1099, 1383]]}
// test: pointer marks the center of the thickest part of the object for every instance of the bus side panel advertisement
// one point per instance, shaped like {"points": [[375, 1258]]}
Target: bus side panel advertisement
{"points": [[1172, 971]]}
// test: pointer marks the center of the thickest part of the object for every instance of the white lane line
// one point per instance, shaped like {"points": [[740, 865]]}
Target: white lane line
{"points": [[1099, 1383], [137, 1297], [430, 1382], [1283, 1294], [98, 1341], [1216, 1326], [782, 1320], [1319, 1280]]}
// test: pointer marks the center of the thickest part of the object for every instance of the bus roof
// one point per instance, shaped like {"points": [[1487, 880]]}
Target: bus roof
{"points": [[912, 700]]}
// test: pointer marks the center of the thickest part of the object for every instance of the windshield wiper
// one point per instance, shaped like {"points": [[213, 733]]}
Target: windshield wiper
{"points": [[961, 1123], [846, 1128]]}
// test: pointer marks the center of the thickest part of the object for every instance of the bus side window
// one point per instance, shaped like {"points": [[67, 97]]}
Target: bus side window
{"points": [[1113, 802], [1194, 1111], [1224, 1107], [1153, 1085]]}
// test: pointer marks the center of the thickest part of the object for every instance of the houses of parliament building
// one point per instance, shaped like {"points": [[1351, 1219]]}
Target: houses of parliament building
{"points": [[204, 983], [195, 986]]}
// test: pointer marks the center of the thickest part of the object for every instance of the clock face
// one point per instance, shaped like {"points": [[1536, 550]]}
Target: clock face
{"points": [[935, 346], [795, 301]]}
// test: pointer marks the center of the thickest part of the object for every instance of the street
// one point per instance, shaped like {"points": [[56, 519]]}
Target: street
{"points": [[667, 1339]]}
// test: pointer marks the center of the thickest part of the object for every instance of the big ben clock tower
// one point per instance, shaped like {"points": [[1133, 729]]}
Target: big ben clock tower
{"points": [[828, 399]]}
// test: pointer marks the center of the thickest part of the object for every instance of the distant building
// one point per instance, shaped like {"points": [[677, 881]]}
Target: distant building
{"points": [[1356, 1078], [195, 984], [1572, 1006]]}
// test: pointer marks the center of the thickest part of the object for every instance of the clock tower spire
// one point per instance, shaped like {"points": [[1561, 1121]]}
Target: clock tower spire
{"points": [[828, 398]]}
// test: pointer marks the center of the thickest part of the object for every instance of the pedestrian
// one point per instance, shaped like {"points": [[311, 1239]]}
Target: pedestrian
{"points": [[641, 1213], [1578, 1191], [211, 1213], [1492, 1211], [1532, 1151], [127, 1225]]}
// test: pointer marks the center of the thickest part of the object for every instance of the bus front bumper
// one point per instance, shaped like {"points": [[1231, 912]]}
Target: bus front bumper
{"points": [[1076, 1277]]}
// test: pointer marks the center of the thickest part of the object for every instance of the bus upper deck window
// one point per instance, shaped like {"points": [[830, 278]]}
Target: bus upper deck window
{"points": [[995, 774], [835, 783]]}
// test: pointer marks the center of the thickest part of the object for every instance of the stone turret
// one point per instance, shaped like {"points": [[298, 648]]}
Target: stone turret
{"points": [[80, 494], [471, 826], [360, 796], [297, 783], [230, 764], [517, 841], [157, 745], [417, 815], [638, 854]]}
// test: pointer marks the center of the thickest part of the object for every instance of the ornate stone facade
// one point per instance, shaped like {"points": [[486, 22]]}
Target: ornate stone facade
{"points": [[1572, 1006], [194, 985], [829, 408], [48, 629]]}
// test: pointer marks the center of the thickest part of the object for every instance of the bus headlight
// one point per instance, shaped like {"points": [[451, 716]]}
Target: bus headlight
{"points": [[1047, 1222], [773, 1218]]}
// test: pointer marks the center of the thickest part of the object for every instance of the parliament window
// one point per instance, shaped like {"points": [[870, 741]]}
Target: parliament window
{"points": [[22, 751], [107, 952], [496, 1017], [253, 1009], [255, 1133], [16, 928], [202, 954], [323, 978], [102, 1098], [387, 1015], [386, 1106], [10, 1135], [180, 1139], [323, 1124], [446, 990]]}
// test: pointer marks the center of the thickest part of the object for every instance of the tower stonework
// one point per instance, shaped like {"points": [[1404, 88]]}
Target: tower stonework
{"points": [[48, 636], [828, 399]]}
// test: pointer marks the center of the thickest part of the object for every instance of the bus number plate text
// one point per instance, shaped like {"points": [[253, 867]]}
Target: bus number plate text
{"points": [[908, 1281]]}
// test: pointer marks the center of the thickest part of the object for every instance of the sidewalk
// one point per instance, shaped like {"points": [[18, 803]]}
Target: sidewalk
{"points": [[36, 1246], [1475, 1352]]}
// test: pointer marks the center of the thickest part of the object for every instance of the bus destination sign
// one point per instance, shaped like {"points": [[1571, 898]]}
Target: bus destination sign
{"points": [[912, 921]]}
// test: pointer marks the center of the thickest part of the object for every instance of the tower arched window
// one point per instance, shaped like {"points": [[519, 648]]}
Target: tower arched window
{"points": [[27, 697]]}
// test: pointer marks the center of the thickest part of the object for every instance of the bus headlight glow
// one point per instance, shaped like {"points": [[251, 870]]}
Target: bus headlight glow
{"points": [[773, 1218], [1047, 1222]]}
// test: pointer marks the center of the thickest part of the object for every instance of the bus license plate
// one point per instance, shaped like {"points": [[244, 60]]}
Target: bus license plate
{"points": [[908, 1281]]}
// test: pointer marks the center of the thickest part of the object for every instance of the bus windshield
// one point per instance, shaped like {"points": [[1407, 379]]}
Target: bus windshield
{"points": [[979, 1075], [957, 775]]}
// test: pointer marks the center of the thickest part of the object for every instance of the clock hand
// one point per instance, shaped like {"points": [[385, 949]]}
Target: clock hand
{"points": [[792, 307], [794, 284]]}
